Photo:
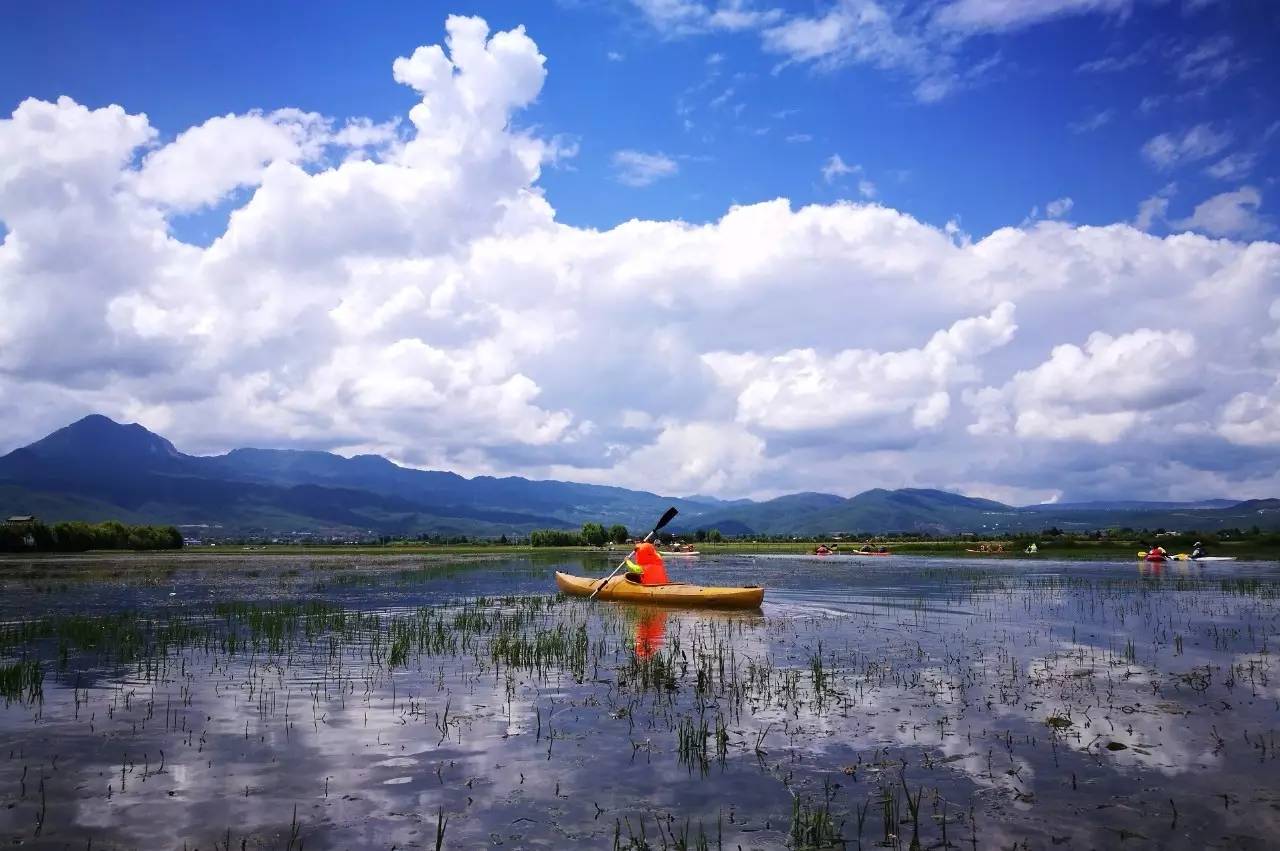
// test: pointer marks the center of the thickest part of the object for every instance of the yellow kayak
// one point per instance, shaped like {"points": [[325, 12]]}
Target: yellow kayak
{"points": [[675, 594]]}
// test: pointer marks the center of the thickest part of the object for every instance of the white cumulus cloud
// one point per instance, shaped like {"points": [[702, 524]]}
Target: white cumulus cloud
{"points": [[205, 163], [1252, 419], [407, 288], [1098, 392], [802, 390]]}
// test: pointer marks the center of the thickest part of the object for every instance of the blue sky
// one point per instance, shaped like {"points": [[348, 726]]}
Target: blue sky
{"points": [[1022, 250], [986, 154]]}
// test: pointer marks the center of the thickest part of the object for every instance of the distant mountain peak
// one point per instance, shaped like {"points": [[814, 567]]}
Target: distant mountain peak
{"points": [[97, 421], [97, 436]]}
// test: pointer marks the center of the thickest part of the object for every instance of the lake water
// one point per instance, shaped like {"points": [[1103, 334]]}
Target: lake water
{"points": [[344, 702]]}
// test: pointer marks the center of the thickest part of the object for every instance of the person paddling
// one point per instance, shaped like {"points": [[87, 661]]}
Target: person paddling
{"points": [[645, 566], [1198, 551]]}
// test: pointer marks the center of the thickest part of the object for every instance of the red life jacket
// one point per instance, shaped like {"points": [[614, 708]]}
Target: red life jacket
{"points": [[655, 572]]}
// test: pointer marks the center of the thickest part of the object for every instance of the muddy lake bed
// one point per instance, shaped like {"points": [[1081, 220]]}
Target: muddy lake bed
{"points": [[459, 702]]}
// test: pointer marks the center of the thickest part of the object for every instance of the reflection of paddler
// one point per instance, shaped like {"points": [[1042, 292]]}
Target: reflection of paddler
{"points": [[651, 630]]}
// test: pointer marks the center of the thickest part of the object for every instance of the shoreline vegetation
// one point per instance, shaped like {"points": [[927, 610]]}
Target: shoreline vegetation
{"points": [[1265, 548], [30, 536]]}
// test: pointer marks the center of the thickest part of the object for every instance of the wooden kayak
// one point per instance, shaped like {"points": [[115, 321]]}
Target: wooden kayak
{"points": [[675, 594]]}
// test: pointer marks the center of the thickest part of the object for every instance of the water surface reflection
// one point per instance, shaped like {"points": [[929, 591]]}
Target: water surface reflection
{"points": [[357, 702]]}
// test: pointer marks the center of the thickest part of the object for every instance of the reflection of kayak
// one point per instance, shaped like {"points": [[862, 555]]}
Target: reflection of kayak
{"points": [[675, 594], [665, 554]]}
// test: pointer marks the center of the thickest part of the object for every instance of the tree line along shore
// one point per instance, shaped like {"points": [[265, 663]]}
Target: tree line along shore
{"points": [[34, 536], [28, 535]]}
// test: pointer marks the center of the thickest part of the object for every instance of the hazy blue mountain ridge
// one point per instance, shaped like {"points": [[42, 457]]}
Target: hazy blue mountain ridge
{"points": [[97, 469]]}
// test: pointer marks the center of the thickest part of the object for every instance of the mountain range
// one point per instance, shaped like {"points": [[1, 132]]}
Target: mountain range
{"points": [[97, 469]]}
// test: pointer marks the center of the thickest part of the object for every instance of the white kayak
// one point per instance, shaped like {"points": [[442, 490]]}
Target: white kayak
{"points": [[681, 553], [1213, 558]]}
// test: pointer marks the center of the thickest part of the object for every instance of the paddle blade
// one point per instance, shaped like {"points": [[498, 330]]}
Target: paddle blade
{"points": [[667, 517]]}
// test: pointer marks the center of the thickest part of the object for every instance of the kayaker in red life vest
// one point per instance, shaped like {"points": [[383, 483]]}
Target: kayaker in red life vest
{"points": [[645, 566]]}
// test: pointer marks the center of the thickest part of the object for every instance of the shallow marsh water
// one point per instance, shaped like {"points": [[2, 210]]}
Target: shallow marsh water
{"points": [[336, 702]]}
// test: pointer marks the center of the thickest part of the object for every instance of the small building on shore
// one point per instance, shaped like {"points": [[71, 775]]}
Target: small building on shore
{"points": [[23, 523]]}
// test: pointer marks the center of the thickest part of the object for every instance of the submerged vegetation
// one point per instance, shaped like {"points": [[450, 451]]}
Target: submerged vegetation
{"points": [[448, 706]]}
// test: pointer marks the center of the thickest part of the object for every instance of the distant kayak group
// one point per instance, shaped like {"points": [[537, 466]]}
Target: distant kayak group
{"points": [[645, 579], [1198, 553], [864, 550], [991, 550]]}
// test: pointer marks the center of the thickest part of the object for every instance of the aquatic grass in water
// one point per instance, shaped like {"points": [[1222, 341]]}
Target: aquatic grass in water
{"points": [[812, 825], [22, 681]]}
